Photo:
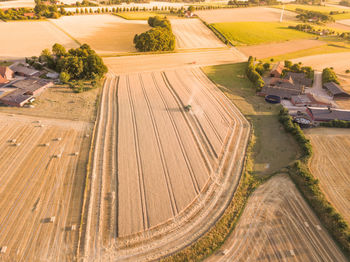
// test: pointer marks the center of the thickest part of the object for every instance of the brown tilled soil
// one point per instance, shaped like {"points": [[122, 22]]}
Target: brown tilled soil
{"points": [[275, 49], [278, 225], [41, 177], [192, 33], [252, 14], [330, 164]]}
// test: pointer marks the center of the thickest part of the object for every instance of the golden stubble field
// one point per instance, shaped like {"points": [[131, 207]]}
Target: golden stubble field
{"points": [[330, 164], [278, 225], [42, 163], [104, 33], [28, 38]]}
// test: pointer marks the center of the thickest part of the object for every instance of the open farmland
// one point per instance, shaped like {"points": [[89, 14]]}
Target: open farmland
{"points": [[24, 38], [254, 33], [339, 61], [17, 4], [41, 177], [275, 49], [104, 33], [172, 185], [192, 33], [330, 164], [252, 14], [278, 225]]}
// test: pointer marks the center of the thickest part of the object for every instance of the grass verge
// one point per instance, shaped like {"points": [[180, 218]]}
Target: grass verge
{"points": [[254, 33], [261, 157], [143, 15]]}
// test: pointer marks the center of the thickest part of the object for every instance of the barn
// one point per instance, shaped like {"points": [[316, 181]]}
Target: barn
{"points": [[319, 114], [335, 91]]}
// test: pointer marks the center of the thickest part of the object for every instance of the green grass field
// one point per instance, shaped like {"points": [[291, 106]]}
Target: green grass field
{"points": [[273, 148], [254, 33]]}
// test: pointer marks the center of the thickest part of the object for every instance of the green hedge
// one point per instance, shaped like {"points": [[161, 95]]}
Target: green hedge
{"points": [[309, 187], [328, 75], [253, 75], [336, 123]]}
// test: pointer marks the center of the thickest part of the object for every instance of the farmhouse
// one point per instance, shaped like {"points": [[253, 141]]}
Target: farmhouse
{"points": [[318, 114], [24, 71], [299, 79], [307, 100], [277, 70], [335, 91], [25, 91], [282, 87]]}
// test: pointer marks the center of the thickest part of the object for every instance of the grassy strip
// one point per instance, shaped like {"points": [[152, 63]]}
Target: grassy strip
{"points": [[310, 189], [216, 236]]}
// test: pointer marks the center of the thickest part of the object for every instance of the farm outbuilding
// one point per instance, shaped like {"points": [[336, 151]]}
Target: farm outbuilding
{"points": [[277, 70], [24, 71], [6, 74], [335, 91], [319, 114]]}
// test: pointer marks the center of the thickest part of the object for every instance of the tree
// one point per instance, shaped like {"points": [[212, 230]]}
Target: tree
{"points": [[191, 8], [58, 50], [64, 77]]}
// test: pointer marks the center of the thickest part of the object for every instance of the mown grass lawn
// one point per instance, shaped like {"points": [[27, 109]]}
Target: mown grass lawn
{"points": [[273, 148], [254, 33]]}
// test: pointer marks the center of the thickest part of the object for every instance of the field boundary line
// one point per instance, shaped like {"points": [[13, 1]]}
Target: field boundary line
{"points": [[87, 186], [65, 32]]}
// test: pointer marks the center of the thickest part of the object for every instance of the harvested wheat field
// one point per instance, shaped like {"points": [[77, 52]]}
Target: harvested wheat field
{"points": [[275, 49], [17, 4], [192, 33], [173, 165], [252, 14], [24, 38], [345, 22], [278, 225], [41, 187], [339, 61], [104, 33], [330, 164]]}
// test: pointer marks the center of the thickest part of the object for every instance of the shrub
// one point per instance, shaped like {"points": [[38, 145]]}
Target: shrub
{"points": [[253, 74], [328, 75]]}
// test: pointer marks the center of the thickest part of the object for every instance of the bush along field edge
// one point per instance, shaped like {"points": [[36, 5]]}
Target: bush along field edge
{"points": [[309, 187]]}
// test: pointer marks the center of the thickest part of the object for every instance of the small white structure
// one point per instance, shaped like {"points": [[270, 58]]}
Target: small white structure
{"points": [[76, 153], [46, 144], [58, 155], [52, 75], [52, 219], [3, 249], [17, 144], [12, 140], [58, 139], [73, 227]]}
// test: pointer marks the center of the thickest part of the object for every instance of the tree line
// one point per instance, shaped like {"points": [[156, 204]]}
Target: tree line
{"points": [[159, 38]]}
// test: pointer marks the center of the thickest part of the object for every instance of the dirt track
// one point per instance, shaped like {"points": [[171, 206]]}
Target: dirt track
{"points": [[278, 225], [170, 162], [330, 164], [192, 33], [36, 185]]}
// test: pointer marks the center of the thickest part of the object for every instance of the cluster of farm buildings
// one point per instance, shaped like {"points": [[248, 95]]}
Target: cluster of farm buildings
{"points": [[20, 85], [294, 91]]}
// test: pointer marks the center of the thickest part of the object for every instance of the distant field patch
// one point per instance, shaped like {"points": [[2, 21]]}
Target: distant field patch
{"points": [[254, 33], [138, 15]]}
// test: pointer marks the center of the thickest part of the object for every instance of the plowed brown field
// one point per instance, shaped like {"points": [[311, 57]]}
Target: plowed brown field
{"points": [[278, 225], [330, 164], [41, 177], [166, 173]]}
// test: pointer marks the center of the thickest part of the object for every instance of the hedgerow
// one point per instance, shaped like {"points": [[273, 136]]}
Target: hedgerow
{"points": [[253, 75]]}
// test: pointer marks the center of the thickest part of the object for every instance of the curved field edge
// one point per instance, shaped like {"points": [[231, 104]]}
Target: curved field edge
{"points": [[251, 176], [309, 187]]}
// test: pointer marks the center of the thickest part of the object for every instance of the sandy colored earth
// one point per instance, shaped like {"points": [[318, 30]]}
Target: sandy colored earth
{"points": [[170, 162], [252, 14], [278, 225], [149, 63], [61, 103], [19, 43], [104, 33], [192, 33], [330, 164], [339, 61], [275, 49], [36, 183], [343, 25], [345, 22], [17, 4]]}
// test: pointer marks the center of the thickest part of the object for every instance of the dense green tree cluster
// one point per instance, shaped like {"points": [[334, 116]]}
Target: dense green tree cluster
{"points": [[345, 2], [159, 38], [297, 68], [328, 75], [75, 64], [253, 75], [313, 16], [312, 30]]}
